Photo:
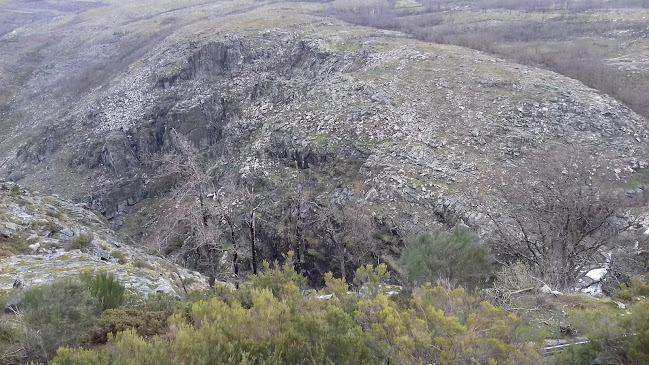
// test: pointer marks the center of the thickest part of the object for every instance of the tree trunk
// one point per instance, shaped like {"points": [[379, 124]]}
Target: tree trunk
{"points": [[343, 270], [252, 241], [235, 259]]}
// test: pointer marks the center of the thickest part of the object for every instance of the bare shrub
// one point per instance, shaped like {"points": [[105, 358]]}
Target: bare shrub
{"points": [[509, 281]]}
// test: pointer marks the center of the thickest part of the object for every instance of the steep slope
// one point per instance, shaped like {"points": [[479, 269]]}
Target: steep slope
{"points": [[278, 98]]}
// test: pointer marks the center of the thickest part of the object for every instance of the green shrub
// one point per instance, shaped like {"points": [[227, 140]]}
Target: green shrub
{"points": [[145, 323], [446, 326], [369, 278], [159, 302], [615, 337], [55, 315], [221, 292], [457, 257], [15, 190], [272, 331], [105, 287], [282, 326], [277, 277], [637, 288], [69, 356]]}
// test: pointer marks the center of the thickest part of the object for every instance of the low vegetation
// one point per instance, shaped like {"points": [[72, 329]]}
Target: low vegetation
{"points": [[14, 245], [273, 319], [54, 315], [460, 301], [614, 338], [591, 41]]}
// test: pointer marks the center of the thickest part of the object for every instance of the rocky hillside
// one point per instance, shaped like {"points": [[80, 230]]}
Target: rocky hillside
{"points": [[278, 100], [43, 238]]}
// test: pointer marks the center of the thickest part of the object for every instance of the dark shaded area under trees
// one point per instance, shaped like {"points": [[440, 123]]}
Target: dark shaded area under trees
{"points": [[216, 222]]}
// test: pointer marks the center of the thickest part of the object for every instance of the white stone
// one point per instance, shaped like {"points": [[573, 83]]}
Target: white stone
{"points": [[546, 289], [597, 274], [34, 246]]}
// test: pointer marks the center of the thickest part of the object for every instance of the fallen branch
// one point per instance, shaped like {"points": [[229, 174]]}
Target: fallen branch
{"points": [[523, 309], [521, 290]]}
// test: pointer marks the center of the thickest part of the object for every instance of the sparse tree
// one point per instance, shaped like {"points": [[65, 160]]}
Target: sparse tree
{"points": [[557, 212], [187, 222], [209, 218], [348, 233]]}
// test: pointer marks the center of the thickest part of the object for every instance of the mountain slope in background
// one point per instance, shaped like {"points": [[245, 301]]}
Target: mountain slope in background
{"points": [[277, 100]]}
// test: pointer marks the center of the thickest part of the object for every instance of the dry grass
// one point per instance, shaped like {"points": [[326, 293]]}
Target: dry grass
{"points": [[15, 245]]}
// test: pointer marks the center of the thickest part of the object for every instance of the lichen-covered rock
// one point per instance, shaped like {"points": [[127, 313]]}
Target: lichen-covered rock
{"points": [[51, 238]]}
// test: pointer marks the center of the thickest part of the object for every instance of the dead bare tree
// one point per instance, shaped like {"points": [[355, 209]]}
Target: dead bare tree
{"points": [[187, 222], [348, 232], [253, 237], [207, 214], [557, 212], [226, 206]]}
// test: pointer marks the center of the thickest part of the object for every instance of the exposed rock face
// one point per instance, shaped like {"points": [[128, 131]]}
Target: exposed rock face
{"points": [[45, 238], [270, 91]]}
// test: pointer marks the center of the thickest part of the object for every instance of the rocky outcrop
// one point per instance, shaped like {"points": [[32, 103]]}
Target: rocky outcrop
{"points": [[44, 238]]}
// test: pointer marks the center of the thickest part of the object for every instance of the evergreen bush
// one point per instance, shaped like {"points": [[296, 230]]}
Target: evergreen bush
{"points": [[457, 257], [105, 287]]}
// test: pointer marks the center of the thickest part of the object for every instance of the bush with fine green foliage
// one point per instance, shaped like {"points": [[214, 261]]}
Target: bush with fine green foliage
{"points": [[272, 331], [280, 325], [615, 337], [446, 326], [368, 278], [276, 277], [105, 287], [456, 256], [59, 314]]}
